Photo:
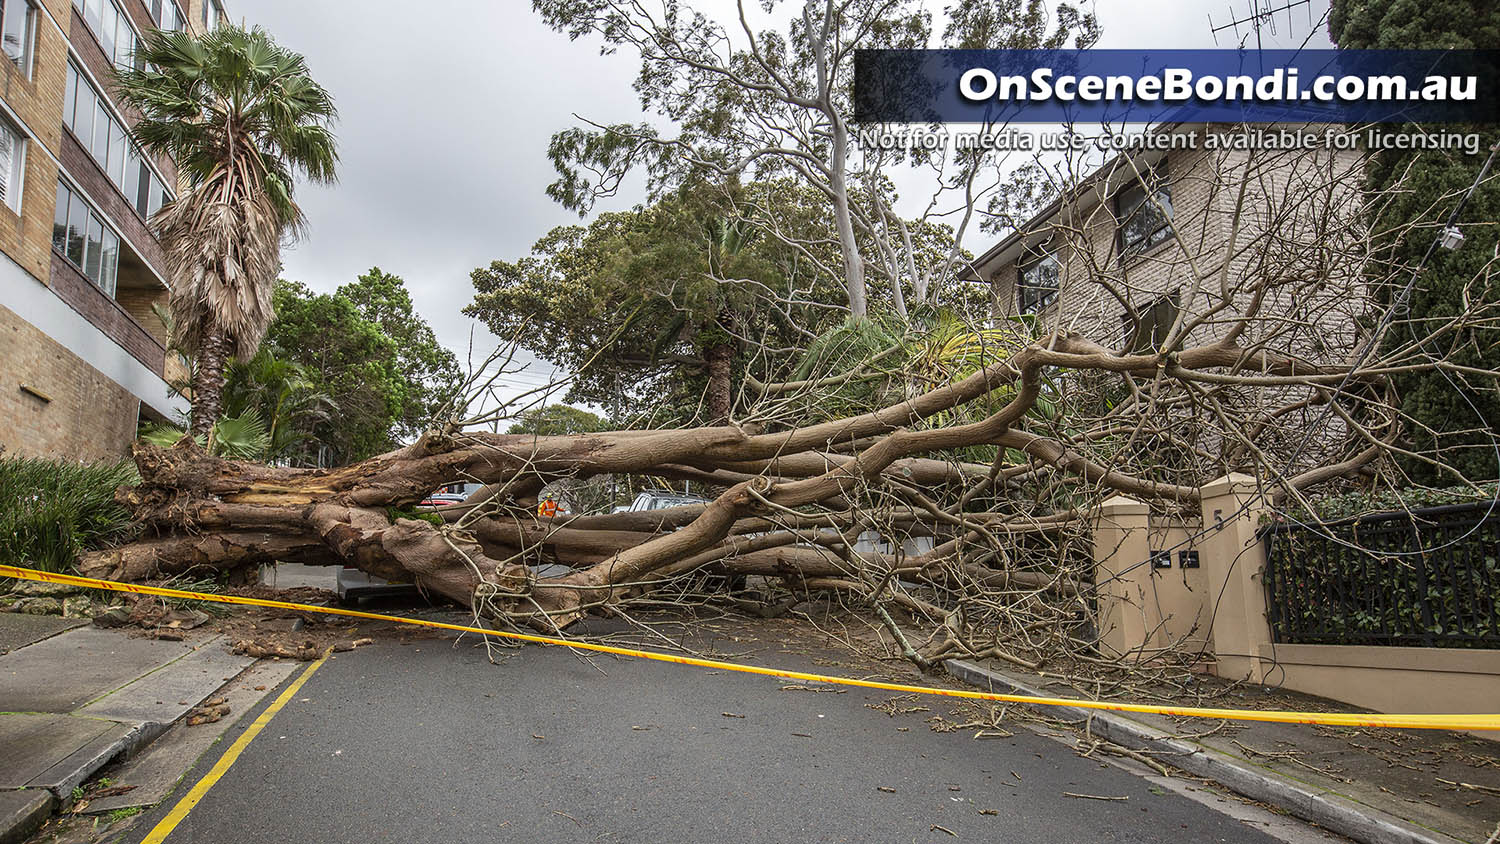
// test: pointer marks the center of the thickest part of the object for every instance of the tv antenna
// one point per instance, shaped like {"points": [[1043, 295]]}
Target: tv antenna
{"points": [[1262, 16]]}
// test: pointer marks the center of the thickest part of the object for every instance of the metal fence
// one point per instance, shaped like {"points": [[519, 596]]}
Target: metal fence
{"points": [[1348, 582]]}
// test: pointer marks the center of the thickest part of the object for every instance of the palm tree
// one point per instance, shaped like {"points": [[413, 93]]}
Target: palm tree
{"points": [[241, 117]]}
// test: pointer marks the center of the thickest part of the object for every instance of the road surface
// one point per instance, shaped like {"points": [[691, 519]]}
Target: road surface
{"points": [[428, 741]]}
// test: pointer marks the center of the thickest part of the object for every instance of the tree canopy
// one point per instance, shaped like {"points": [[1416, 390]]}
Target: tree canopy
{"points": [[1457, 413], [758, 104], [429, 370], [371, 354], [637, 302], [558, 419]]}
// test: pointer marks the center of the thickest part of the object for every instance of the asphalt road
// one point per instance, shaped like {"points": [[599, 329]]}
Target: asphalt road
{"points": [[430, 742]]}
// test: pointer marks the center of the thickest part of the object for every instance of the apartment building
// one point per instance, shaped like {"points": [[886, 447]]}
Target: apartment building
{"points": [[1199, 236], [82, 354]]}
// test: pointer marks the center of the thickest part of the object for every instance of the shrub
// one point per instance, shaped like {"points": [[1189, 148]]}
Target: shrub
{"points": [[53, 510], [1359, 502]]}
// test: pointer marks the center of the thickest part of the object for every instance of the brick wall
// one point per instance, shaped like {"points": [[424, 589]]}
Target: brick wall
{"points": [[108, 315], [1276, 222], [90, 417], [1287, 222], [27, 237], [107, 198]]}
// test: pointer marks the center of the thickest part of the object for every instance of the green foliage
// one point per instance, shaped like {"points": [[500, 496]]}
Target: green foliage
{"points": [[394, 513], [730, 101], [1352, 595], [1358, 502], [243, 437], [369, 370], [904, 359], [1424, 186], [1340, 593], [187, 583], [557, 420], [280, 396], [53, 510], [430, 372], [349, 359], [631, 303]]}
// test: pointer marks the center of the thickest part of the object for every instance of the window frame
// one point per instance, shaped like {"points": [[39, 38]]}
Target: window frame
{"points": [[1155, 188], [119, 50], [1046, 298], [1133, 340], [15, 179], [105, 271], [160, 10], [114, 171], [27, 60]]}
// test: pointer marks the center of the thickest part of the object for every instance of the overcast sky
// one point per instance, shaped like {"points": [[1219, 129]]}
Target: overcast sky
{"points": [[446, 108]]}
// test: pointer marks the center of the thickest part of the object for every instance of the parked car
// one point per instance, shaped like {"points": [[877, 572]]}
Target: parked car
{"points": [[355, 586], [655, 499], [442, 499]]}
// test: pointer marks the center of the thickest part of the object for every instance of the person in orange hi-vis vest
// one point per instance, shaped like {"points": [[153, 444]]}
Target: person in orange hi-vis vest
{"points": [[548, 508]]}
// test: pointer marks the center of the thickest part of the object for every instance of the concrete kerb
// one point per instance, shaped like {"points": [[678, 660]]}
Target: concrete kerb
{"points": [[22, 813], [1328, 809], [139, 711]]}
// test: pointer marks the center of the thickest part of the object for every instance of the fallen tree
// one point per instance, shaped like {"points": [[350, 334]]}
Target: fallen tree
{"points": [[785, 511], [962, 504]]}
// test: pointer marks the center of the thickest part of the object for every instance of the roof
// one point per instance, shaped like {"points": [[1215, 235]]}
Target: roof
{"points": [[1084, 195]]}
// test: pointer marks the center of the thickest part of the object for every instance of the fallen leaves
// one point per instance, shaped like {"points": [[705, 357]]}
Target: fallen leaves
{"points": [[208, 712]]}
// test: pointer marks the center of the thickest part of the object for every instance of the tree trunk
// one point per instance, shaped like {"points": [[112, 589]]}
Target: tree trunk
{"points": [[208, 381], [720, 391], [795, 501]]}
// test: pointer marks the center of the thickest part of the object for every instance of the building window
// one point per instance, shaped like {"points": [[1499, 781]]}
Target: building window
{"points": [[1036, 284], [167, 15], [1144, 222], [212, 15], [111, 26], [17, 32], [1150, 333], [82, 236], [87, 116], [12, 165]]}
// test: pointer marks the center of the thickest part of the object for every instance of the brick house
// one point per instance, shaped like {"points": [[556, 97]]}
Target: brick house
{"points": [[82, 356], [1188, 232], [1183, 245]]}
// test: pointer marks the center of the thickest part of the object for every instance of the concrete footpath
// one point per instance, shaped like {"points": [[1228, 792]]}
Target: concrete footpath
{"points": [[1376, 786], [73, 698]]}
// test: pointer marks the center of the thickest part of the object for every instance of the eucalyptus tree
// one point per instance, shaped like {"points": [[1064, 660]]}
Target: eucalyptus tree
{"points": [[241, 117], [979, 452], [769, 94]]}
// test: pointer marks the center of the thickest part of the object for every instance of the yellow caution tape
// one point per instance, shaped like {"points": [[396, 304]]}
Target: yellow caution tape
{"points": [[1490, 721]]}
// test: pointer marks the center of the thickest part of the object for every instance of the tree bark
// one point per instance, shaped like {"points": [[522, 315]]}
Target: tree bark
{"points": [[796, 501], [208, 380], [720, 394]]}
